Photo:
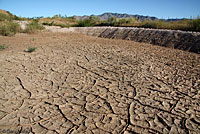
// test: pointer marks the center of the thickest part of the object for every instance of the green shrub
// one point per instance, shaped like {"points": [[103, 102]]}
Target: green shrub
{"points": [[184, 25], [195, 25], [85, 23], [149, 24], [48, 23], [124, 21], [30, 49], [110, 22], [157, 24], [71, 19], [92, 21], [62, 25], [2, 47], [33, 27], [55, 24], [8, 28]]}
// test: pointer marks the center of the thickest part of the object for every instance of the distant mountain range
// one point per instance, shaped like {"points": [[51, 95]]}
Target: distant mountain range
{"points": [[107, 16]]}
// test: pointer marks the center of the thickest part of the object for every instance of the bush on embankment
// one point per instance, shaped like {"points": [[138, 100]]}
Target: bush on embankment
{"points": [[184, 25], [33, 26], [8, 28]]}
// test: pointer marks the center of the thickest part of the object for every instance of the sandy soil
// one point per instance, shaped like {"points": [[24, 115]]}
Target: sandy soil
{"points": [[74, 83]]}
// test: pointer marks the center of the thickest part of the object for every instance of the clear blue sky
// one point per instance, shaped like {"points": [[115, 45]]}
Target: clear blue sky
{"points": [[157, 8]]}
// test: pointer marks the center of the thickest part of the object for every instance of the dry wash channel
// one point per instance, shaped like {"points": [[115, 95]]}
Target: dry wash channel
{"points": [[74, 84], [187, 41]]}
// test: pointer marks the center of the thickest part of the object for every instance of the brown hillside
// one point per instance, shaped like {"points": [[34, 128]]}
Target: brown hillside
{"points": [[6, 12]]}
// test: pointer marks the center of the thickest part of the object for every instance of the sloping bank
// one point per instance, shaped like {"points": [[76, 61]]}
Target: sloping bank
{"points": [[188, 41]]}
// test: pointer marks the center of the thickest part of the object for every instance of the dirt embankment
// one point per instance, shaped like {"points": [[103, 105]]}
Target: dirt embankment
{"points": [[187, 41]]}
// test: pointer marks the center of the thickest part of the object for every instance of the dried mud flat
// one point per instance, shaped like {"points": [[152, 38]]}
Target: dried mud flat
{"points": [[73, 83]]}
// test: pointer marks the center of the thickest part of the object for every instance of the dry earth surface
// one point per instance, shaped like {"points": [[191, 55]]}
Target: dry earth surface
{"points": [[74, 83], [187, 41]]}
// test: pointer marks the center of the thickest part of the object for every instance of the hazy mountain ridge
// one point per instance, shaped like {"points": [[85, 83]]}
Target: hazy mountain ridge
{"points": [[106, 16]]}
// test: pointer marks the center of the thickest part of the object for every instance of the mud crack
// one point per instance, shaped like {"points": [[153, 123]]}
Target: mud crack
{"points": [[21, 84], [91, 71]]}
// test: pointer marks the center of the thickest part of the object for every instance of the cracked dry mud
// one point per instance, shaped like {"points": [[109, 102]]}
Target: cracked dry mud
{"points": [[73, 83]]}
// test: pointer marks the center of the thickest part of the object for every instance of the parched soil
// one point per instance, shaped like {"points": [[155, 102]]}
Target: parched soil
{"points": [[187, 41], [74, 83]]}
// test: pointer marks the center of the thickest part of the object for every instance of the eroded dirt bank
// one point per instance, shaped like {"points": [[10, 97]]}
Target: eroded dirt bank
{"points": [[74, 83], [186, 41]]}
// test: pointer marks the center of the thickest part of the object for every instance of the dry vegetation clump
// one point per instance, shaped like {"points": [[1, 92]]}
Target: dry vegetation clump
{"points": [[9, 28], [2, 47], [9, 25], [58, 20], [34, 26], [184, 25], [30, 49]]}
